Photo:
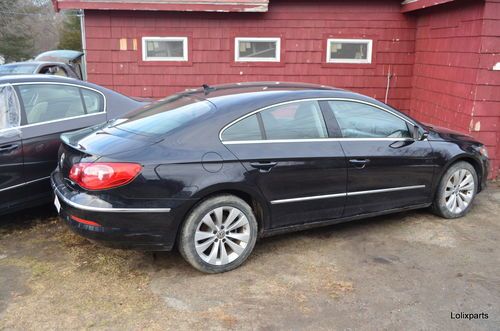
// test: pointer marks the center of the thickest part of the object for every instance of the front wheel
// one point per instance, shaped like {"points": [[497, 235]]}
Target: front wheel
{"points": [[219, 234], [456, 191]]}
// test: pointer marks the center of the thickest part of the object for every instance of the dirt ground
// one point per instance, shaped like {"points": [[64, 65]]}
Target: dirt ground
{"points": [[404, 271]]}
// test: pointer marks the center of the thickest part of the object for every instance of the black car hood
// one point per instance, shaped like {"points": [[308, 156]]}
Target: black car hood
{"points": [[105, 140], [442, 133]]}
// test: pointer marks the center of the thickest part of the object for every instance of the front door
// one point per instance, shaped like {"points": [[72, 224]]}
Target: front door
{"points": [[288, 155], [11, 149], [387, 167]]}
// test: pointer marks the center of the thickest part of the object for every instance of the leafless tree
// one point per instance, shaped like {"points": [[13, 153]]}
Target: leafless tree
{"points": [[30, 25]]}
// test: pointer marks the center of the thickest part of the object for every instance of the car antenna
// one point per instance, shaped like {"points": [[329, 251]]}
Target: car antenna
{"points": [[207, 89]]}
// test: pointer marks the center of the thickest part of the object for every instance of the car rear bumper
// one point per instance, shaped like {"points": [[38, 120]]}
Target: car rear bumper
{"points": [[147, 228]]}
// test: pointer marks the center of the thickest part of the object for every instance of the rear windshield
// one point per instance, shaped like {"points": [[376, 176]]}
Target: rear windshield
{"points": [[17, 69], [165, 116]]}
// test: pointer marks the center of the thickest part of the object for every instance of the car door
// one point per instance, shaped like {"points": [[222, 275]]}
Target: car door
{"points": [[288, 154], [11, 156], [50, 109], [387, 167]]}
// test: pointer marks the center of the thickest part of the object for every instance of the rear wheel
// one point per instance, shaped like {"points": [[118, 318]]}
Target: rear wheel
{"points": [[456, 191], [219, 234]]}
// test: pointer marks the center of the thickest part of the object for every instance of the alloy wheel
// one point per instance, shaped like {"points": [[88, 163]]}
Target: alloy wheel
{"points": [[222, 235], [459, 191]]}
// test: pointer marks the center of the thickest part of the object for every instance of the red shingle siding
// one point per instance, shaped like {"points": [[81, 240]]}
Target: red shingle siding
{"points": [[485, 123], [302, 25], [441, 57], [453, 84]]}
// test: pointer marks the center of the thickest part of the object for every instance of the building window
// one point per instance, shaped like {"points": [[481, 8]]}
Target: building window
{"points": [[164, 49], [349, 51], [257, 49]]}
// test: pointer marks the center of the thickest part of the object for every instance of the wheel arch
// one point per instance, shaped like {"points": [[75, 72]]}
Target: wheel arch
{"points": [[249, 195], [463, 158]]}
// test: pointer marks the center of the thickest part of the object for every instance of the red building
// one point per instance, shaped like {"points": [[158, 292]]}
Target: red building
{"points": [[437, 60]]}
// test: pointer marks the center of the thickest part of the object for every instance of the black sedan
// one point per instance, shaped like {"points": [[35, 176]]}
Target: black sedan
{"points": [[212, 169], [34, 111]]}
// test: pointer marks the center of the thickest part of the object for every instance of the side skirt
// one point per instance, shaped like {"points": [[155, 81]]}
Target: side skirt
{"points": [[305, 226]]}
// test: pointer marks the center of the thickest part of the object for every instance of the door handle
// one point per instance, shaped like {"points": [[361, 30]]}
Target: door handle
{"points": [[359, 163], [8, 148], [263, 166]]}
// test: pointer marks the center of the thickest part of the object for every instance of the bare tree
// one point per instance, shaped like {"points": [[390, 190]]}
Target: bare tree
{"points": [[27, 27]]}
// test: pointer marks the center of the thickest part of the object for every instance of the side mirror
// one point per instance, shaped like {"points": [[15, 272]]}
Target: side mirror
{"points": [[424, 135], [419, 133]]}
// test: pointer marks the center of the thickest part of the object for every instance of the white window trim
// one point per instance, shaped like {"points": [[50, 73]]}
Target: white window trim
{"points": [[368, 60], [238, 58], [179, 58]]}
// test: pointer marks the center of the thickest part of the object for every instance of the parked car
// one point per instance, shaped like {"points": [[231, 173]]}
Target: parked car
{"points": [[213, 169], [34, 111], [63, 63]]}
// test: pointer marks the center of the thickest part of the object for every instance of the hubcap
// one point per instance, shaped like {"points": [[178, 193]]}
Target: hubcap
{"points": [[222, 235], [459, 191]]}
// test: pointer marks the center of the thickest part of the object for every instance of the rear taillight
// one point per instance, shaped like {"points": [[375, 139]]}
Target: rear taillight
{"points": [[103, 175]]}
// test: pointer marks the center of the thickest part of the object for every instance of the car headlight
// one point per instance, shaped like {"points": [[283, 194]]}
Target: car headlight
{"points": [[483, 151]]}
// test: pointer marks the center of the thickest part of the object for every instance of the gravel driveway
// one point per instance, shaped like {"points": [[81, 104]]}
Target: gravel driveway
{"points": [[409, 270]]}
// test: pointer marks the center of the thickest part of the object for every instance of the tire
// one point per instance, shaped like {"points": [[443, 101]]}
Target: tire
{"points": [[456, 191], [204, 237]]}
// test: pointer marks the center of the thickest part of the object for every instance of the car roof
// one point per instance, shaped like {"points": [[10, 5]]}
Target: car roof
{"points": [[208, 92], [223, 96], [241, 97], [30, 63], [235, 100], [38, 78]]}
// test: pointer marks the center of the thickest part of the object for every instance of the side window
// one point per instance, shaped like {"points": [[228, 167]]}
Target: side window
{"points": [[358, 120], [94, 102], [48, 102], [10, 116], [297, 120], [246, 129]]}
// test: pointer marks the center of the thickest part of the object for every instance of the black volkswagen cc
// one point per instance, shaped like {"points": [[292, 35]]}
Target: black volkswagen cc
{"points": [[211, 170]]}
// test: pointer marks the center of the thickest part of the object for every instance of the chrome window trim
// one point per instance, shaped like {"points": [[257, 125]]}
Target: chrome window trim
{"points": [[281, 141], [109, 209], [58, 120], [61, 119], [347, 194], [229, 142], [23, 184]]}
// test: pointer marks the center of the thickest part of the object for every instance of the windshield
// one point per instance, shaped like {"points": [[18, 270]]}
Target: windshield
{"points": [[165, 116], [17, 68]]}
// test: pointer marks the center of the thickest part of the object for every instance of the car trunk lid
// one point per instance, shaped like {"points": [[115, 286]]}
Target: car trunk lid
{"points": [[90, 144]]}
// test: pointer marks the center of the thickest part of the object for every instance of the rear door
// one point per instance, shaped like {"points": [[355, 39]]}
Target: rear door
{"points": [[387, 167], [50, 109], [288, 154], [11, 156]]}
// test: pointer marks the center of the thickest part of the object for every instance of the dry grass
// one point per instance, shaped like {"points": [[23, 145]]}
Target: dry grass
{"points": [[76, 284]]}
